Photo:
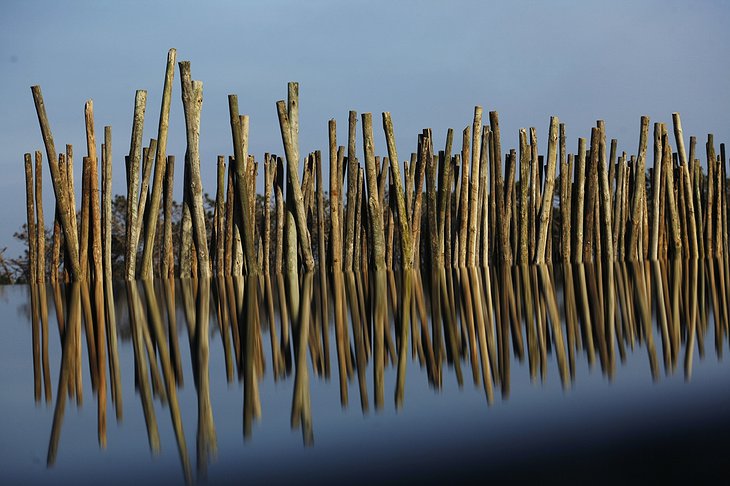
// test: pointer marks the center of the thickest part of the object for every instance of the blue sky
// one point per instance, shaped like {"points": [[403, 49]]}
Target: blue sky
{"points": [[427, 62]]}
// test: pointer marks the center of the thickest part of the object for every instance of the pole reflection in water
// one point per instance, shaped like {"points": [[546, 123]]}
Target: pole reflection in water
{"points": [[451, 323]]}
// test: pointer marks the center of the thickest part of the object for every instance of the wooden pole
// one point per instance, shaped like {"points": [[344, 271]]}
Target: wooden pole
{"points": [[686, 185], [106, 202], [352, 201], [432, 208], [484, 237], [673, 211], [580, 179], [524, 195], [639, 190], [547, 200], [320, 214], [168, 260], [335, 201], [40, 275], [160, 160], [240, 149], [564, 209], [464, 197], [356, 263], [148, 154], [375, 210], [655, 192], [405, 230], [279, 200], [534, 189], [508, 208], [192, 95], [471, 248], [219, 222], [32, 270], [67, 161], [723, 202], [140, 103], [59, 188], [85, 203], [607, 243], [94, 188], [445, 194], [498, 190], [591, 199], [290, 140]]}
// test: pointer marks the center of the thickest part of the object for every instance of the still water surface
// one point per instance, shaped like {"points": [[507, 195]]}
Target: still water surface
{"points": [[557, 374]]}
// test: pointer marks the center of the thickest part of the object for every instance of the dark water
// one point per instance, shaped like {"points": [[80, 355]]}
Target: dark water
{"points": [[552, 374]]}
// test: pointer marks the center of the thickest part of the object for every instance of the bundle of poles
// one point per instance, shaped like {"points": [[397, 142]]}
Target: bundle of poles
{"points": [[610, 206]]}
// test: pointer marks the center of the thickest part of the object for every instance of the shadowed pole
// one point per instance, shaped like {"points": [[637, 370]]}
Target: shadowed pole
{"points": [[240, 150], [30, 213], [405, 230], [168, 260], [474, 191], [335, 199], [524, 193], [547, 197], [106, 201], [352, 201], [656, 178], [40, 273]]}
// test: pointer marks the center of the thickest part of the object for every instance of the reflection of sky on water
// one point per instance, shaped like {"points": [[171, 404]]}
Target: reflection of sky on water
{"points": [[453, 427]]}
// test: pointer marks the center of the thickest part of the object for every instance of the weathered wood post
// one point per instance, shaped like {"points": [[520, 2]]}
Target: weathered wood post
{"points": [[445, 194], [335, 201], [352, 201], [279, 201], [471, 248], [405, 230], [40, 274], [240, 150], [668, 169], [464, 197], [376, 215], [656, 178], [564, 208], [639, 191], [160, 161], [135, 149], [607, 242], [59, 188], [289, 135], [168, 259], [192, 95], [547, 197], [219, 220], [94, 191], [523, 257], [30, 218]]}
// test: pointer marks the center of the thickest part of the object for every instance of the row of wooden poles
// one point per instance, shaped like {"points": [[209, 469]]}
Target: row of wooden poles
{"points": [[468, 318], [474, 215]]}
